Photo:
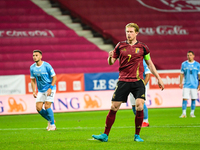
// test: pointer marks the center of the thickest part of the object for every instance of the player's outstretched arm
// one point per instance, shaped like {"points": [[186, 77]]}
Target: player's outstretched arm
{"points": [[155, 73], [111, 60], [181, 81], [54, 80], [33, 88]]}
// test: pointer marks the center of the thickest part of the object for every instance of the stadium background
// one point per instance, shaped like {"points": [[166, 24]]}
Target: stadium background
{"points": [[75, 37]]}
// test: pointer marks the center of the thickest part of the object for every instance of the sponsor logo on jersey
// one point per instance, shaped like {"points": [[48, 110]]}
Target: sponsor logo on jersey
{"points": [[124, 49]]}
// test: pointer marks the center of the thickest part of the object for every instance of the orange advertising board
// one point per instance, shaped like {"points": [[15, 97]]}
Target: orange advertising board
{"points": [[170, 80], [70, 82], [64, 83]]}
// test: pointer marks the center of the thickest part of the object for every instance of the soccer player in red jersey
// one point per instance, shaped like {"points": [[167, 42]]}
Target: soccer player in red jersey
{"points": [[130, 54]]}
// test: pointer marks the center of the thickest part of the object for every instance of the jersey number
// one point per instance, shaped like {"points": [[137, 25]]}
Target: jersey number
{"points": [[129, 55]]}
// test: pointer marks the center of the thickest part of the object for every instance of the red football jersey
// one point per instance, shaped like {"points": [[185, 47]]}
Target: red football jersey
{"points": [[130, 60]]}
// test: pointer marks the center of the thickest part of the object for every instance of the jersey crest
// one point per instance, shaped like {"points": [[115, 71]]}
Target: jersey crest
{"points": [[137, 50]]}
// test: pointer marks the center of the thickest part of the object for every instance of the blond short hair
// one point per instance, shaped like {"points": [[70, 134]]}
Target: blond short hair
{"points": [[134, 25]]}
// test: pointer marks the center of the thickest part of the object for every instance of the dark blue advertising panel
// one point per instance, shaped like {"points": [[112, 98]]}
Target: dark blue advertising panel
{"points": [[100, 81]]}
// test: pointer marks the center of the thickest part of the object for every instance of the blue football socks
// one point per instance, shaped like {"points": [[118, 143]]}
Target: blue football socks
{"points": [[43, 113], [50, 115], [184, 105], [145, 111], [193, 105], [134, 110]]}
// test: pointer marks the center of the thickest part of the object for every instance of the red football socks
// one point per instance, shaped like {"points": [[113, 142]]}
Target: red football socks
{"points": [[110, 119], [138, 121]]}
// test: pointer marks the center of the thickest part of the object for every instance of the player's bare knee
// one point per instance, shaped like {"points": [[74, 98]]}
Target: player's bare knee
{"points": [[38, 108], [139, 108], [47, 106], [114, 108]]}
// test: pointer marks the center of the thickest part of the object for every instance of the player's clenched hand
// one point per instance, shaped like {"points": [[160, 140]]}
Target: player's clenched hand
{"points": [[49, 92], [111, 54], [161, 84], [34, 95]]}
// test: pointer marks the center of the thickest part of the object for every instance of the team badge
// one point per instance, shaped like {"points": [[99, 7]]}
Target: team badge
{"points": [[137, 50]]}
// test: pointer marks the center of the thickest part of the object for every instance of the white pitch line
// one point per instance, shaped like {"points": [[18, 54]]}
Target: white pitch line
{"points": [[92, 139], [89, 128]]}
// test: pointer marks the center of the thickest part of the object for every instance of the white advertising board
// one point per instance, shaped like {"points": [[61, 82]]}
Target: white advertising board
{"points": [[12, 85], [88, 101]]}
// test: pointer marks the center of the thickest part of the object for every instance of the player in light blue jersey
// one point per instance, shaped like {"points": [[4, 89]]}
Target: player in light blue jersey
{"points": [[190, 71], [43, 73], [146, 75]]}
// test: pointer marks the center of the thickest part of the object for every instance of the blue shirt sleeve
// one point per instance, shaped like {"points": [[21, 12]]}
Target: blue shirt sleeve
{"points": [[199, 69], [31, 73], [182, 66], [51, 70]]}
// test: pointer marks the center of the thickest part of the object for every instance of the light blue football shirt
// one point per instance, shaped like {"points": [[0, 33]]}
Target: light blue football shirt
{"points": [[43, 75], [146, 69], [190, 71]]}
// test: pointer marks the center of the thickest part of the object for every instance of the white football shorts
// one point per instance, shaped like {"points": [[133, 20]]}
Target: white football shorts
{"points": [[190, 93], [42, 97], [132, 98]]}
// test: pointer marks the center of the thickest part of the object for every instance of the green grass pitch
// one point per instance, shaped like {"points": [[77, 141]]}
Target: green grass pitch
{"points": [[74, 131]]}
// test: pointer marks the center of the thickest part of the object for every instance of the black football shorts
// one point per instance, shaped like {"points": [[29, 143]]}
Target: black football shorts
{"points": [[123, 89]]}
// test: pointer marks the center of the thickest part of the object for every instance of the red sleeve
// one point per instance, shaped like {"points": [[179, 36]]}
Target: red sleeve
{"points": [[146, 49]]}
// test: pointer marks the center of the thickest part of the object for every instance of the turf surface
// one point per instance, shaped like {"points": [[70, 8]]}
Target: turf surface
{"points": [[74, 131]]}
